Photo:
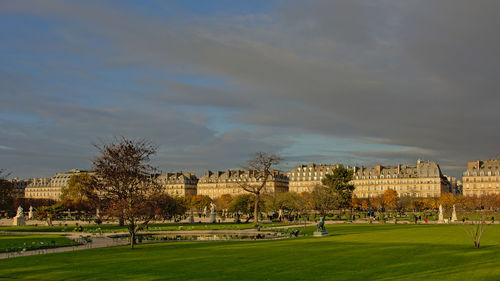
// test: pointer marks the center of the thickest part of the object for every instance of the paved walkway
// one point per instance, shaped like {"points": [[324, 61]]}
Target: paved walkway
{"points": [[97, 242]]}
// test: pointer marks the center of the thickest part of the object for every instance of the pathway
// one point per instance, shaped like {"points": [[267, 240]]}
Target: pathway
{"points": [[97, 242]]}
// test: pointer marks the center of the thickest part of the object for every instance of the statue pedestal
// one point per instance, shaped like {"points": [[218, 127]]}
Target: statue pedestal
{"points": [[213, 217], [19, 221], [322, 233], [191, 219], [441, 219], [454, 217]]}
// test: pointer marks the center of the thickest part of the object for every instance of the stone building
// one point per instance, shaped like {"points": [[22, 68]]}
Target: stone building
{"points": [[230, 182], [178, 184], [454, 184], [481, 178], [305, 177], [19, 186], [422, 180], [49, 188]]}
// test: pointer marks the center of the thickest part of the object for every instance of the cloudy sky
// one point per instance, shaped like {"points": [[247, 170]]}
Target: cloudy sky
{"points": [[212, 82]]}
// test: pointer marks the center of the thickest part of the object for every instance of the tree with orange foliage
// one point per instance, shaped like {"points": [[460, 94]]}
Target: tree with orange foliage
{"points": [[447, 200], [488, 201], [377, 202], [390, 198], [460, 202], [354, 202], [198, 202], [224, 201], [365, 204], [431, 203]]}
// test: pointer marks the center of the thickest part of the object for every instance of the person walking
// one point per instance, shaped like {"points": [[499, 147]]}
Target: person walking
{"points": [[425, 219]]}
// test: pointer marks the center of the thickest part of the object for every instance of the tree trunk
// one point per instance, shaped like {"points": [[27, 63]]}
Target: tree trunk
{"points": [[256, 209], [131, 230], [121, 221]]}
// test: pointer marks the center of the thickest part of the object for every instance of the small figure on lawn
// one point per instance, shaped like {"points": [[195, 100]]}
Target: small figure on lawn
{"points": [[320, 229], [321, 225]]}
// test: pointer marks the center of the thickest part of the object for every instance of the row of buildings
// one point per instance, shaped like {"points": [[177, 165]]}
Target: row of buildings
{"points": [[424, 179]]}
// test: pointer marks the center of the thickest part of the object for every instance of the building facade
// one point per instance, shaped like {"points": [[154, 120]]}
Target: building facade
{"points": [[454, 184], [20, 186], [178, 184], [481, 178], [422, 180], [305, 177], [49, 188], [231, 181]]}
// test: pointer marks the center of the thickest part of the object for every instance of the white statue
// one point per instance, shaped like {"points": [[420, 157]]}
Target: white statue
{"points": [[454, 214], [30, 214], [19, 218], [213, 215], [441, 218], [19, 212]]}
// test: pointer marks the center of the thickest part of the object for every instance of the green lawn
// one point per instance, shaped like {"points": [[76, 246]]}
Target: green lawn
{"points": [[18, 242], [153, 227], [353, 252]]}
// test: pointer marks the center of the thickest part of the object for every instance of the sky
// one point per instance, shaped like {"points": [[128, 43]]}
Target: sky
{"points": [[212, 82]]}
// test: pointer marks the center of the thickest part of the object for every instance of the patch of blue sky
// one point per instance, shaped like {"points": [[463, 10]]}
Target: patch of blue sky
{"points": [[208, 8], [20, 117], [307, 145], [16, 27], [203, 81], [219, 120]]}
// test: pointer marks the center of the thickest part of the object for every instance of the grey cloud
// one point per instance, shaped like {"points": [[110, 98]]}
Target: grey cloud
{"points": [[229, 150], [3, 147], [189, 94], [420, 75]]}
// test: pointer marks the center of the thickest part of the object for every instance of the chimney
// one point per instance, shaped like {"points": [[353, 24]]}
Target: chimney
{"points": [[399, 168]]}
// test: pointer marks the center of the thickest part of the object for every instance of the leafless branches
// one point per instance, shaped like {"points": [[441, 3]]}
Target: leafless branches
{"points": [[127, 182], [476, 229], [259, 169]]}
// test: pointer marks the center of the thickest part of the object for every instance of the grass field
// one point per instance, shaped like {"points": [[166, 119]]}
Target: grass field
{"points": [[353, 252], [18, 242], [152, 227]]}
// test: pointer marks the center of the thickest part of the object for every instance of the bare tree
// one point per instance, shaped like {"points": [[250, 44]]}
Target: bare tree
{"points": [[260, 168], [127, 182], [476, 229]]}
